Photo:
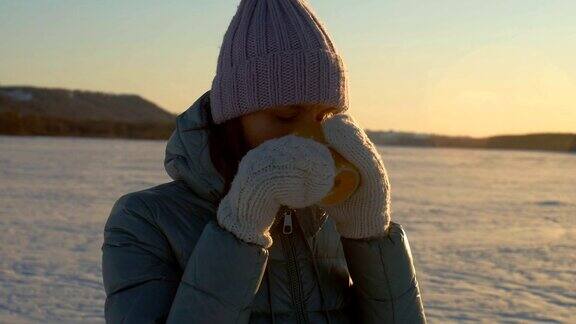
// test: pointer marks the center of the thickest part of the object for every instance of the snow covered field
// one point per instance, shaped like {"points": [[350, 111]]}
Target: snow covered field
{"points": [[493, 232]]}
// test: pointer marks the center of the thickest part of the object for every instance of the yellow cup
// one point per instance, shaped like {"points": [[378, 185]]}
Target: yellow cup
{"points": [[347, 177]]}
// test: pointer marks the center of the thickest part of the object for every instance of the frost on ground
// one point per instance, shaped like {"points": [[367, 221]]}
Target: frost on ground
{"points": [[493, 233]]}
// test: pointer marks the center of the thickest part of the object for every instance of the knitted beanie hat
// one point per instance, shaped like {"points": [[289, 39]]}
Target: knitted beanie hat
{"points": [[274, 53]]}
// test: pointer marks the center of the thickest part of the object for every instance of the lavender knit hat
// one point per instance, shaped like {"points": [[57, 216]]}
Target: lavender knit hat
{"points": [[276, 52]]}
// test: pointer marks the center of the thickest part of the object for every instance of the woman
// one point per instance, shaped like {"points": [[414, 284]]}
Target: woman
{"points": [[241, 235]]}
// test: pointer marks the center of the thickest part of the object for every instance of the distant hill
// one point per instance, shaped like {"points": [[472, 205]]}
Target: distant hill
{"points": [[28, 110], [562, 142]]}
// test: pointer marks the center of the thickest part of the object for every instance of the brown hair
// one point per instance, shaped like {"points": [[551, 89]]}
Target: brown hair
{"points": [[227, 145]]}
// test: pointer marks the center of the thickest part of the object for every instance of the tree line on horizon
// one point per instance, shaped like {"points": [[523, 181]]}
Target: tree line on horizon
{"points": [[12, 123], [563, 142]]}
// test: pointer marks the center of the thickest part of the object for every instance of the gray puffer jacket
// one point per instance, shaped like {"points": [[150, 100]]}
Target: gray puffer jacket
{"points": [[166, 259]]}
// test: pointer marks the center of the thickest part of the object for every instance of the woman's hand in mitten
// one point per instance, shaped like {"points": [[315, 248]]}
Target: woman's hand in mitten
{"points": [[290, 170], [366, 213]]}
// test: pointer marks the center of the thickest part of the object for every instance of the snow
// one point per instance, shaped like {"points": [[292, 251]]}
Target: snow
{"points": [[493, 233]]}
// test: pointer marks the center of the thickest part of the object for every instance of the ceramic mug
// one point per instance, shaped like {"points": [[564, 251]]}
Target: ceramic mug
{"points": [[347, 177]]}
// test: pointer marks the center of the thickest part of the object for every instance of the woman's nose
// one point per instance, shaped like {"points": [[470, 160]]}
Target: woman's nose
{"points": [[318, 115]]}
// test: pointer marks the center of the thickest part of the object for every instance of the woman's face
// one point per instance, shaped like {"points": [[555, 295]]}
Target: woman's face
{"points": [[278, 121]]}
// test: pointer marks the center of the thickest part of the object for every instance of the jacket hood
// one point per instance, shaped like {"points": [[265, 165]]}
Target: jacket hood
{"points": [[187, 155]]}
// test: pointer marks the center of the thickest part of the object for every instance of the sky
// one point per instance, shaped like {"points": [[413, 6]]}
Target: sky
{"points": [[477, 67]]}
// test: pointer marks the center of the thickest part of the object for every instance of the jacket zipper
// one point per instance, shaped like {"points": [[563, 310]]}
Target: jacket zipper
{"points": [[294, 279]]}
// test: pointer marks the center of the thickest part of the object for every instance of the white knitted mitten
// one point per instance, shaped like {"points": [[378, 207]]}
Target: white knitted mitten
{"points": [[290, 170], [366, 213]]}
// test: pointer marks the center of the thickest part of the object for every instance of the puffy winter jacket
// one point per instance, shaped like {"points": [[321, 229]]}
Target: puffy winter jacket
{"points": [[166, 259]]}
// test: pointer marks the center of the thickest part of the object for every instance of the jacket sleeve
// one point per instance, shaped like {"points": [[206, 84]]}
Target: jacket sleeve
{"points": [[384, 278], [144, 284]]}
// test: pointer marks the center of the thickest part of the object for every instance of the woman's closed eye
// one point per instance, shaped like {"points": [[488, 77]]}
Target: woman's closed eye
{"points": [[287, 116]]}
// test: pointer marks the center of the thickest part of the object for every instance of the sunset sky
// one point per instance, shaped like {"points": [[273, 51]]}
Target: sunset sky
{"points": [[454, 67]]}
